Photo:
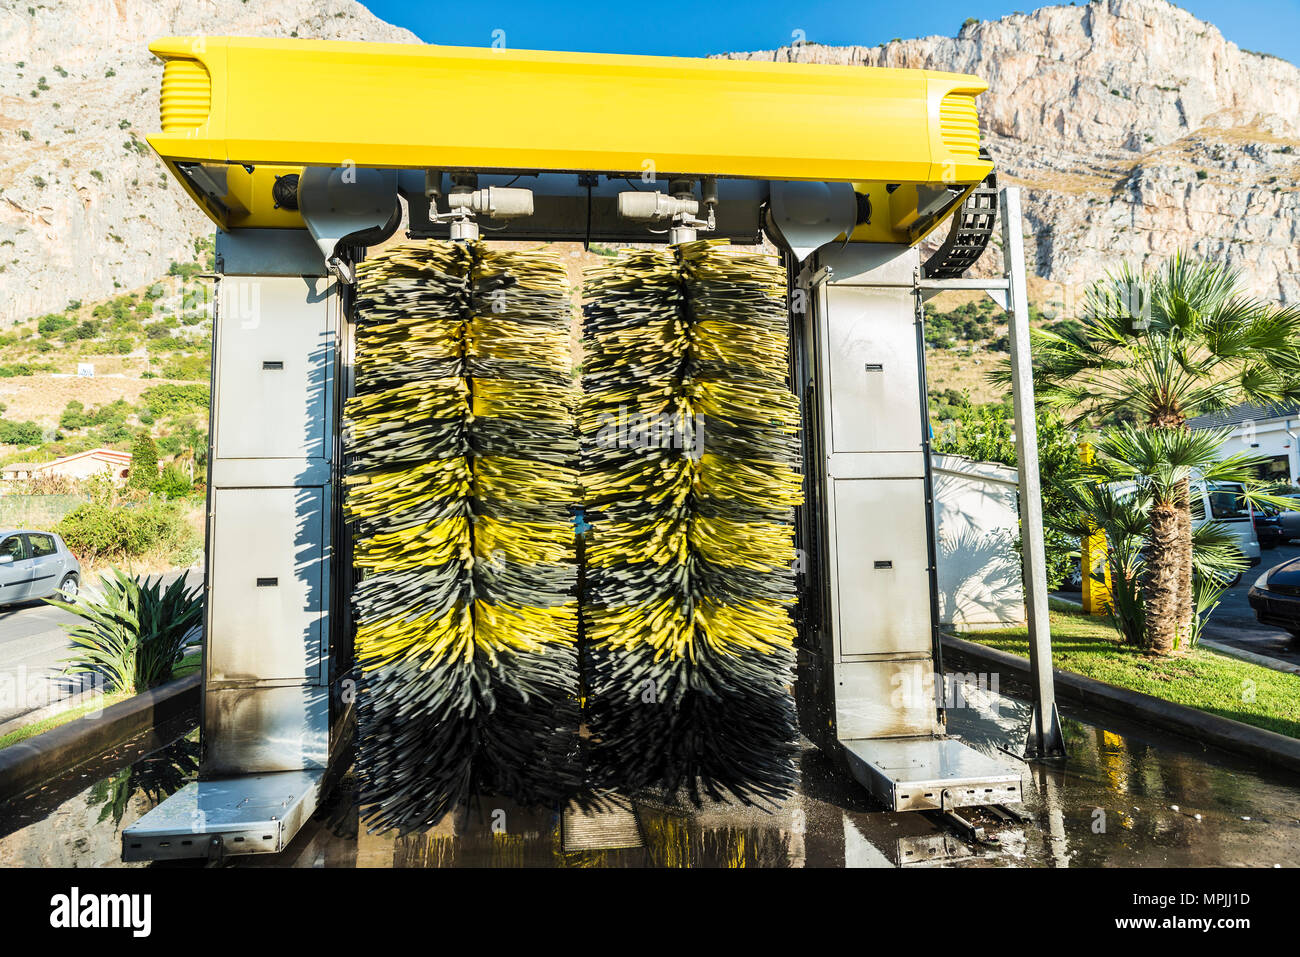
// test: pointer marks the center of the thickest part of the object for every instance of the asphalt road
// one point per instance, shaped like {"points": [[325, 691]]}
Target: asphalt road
{"points": [[33, 644], [1233, 622]]}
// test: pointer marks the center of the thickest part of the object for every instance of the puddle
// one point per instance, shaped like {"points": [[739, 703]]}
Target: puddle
{"points": [[1127, 798]]}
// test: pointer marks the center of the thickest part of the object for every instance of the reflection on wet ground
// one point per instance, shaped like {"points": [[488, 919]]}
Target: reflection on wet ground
{"points": [[1127, 797]]}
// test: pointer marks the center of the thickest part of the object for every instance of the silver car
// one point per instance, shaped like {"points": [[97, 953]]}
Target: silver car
{"points": [[36, 565]]}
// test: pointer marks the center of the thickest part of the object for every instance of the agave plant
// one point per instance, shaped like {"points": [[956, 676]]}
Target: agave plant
{"points": [[134, 632]]}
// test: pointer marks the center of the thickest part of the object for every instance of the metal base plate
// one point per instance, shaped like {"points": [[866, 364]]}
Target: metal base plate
{"points": [[610, 827], [930, 773], [255, 814]]}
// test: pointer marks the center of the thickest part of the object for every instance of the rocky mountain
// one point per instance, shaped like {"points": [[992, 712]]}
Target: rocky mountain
{"points": [[85, 206], [1135, 128]]}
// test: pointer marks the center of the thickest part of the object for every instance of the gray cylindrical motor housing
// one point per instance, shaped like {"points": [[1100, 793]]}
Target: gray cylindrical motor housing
{"points": [[648, 207], [495, 202]]}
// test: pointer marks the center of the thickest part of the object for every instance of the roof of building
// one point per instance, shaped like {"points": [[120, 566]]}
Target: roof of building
{"points": [[1243, 413], [111, 455]]}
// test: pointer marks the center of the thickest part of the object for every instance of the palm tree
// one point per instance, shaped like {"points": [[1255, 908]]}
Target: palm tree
{"points": [[1158, 348], [1137, 484]]}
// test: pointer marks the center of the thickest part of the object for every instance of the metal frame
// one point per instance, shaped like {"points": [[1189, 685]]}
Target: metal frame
{"points": [[890, 273], [1045, 739]]}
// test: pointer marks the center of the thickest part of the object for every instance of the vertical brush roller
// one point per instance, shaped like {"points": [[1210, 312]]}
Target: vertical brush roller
{"points": [[691, 476], [461, 449]]}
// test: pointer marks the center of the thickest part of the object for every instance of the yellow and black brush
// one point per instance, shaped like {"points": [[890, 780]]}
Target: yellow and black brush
{"points": [[691, 475], [461, 444]]}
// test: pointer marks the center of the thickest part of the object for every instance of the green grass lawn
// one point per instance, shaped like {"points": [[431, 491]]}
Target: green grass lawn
{"points": [[187, 666], [1199, 678], [58, 720]]}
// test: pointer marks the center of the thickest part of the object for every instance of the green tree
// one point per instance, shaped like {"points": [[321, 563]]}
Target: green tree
{"points": [[1132, 492], [144, 463], [1158, 347]]}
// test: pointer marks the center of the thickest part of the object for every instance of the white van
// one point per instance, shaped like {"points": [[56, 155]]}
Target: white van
{"points": [[1222, 502], [1219, 502]]}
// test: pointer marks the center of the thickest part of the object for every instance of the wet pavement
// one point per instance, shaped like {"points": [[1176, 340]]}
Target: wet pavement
{"points": [[1127, 797]]}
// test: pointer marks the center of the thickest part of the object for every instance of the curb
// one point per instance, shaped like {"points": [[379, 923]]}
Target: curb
{"points": [[1203, 727], [53, 709], [30, 763], [1232, 651], [1264, 661]]}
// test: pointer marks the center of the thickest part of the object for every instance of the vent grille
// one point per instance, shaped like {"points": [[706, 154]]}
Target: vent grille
{"points": [[186, 95], [959, 124]]}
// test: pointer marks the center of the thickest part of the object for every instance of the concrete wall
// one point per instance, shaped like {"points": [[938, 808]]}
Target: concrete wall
{"points": [[976, 530]]}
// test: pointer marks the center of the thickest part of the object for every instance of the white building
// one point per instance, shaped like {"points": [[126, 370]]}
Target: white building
{"points": [[80, 466], [1270, 431]]}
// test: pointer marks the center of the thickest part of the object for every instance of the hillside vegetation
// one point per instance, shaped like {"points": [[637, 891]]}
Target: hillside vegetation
{"points": [[149, 354]]}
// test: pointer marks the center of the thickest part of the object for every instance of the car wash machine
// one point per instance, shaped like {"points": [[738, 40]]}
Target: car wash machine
{"points": [[844, 169]]}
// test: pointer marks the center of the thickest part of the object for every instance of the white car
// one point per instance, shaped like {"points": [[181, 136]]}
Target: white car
{"points": [[36, 565], [1222, 502]]}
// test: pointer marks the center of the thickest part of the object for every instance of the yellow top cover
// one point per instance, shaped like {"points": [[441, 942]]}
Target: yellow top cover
{"points": [[289, 103]]}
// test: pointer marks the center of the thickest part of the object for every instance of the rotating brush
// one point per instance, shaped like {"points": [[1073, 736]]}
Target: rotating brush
{"points": [[461, 471], [691, 475]]}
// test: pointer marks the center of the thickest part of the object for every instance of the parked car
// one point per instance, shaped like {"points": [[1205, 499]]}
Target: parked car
{"points": [[1275, 597], [36, 565], [1223, 502], [1268, 529], [1290, 522]]}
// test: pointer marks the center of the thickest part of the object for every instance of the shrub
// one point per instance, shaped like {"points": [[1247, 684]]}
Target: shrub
{"points": [[173, 483], [99, 531], [168, 399], [144, 463], [193, 368], [985, 434], [136, 632], [53, 324], [74, 416], [24, 368], [20, 433]]}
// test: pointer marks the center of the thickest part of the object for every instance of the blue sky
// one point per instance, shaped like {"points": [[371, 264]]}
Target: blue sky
{"points": [[678, 28]]}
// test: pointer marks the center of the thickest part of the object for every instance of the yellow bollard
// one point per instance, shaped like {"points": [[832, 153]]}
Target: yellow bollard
{"points": [[1092, 559]]}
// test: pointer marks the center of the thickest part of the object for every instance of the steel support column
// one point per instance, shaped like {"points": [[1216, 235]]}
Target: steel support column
{"points": [[1045, 738]]}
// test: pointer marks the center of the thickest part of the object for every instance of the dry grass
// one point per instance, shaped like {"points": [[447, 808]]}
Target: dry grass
{"points": [[42, 398], [965, 372]]}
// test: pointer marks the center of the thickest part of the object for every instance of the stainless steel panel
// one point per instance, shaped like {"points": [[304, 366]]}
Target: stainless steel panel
{"points": [[927, 773], [246, 815], [875, 264], [275, 358], [872, 465], [885, 698], [874, 381], [268, 473], [268, 583], [882, 567], [251, 730], [268, 252]]}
